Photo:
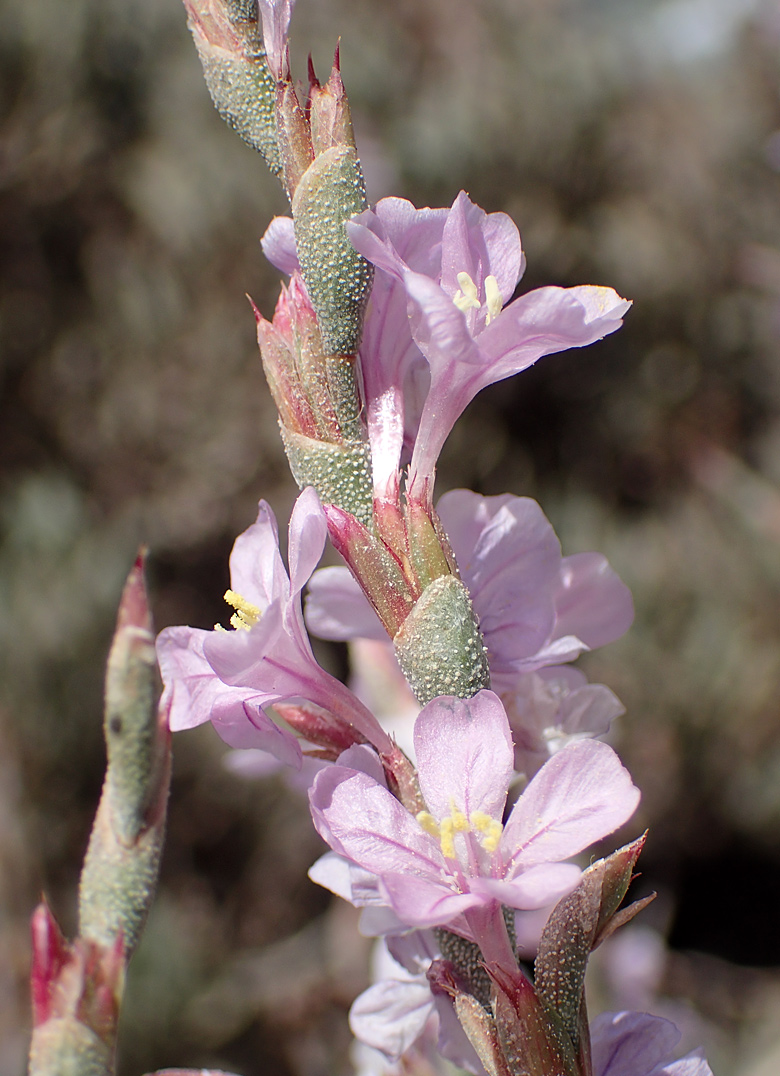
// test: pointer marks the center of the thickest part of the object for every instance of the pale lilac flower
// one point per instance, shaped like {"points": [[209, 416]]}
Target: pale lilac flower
{"points": [[435, 333], [276, 15], [455, 863], [552, 707], [456, 294], [400, 1017], [230, 677], [536, 609], [637, 1044]]}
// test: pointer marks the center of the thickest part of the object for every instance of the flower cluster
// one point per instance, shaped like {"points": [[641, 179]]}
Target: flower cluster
{"points": [[461, 850]]}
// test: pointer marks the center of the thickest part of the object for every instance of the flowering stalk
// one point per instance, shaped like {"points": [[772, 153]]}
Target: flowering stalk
{"points": [[393, 320], [77, 987]]}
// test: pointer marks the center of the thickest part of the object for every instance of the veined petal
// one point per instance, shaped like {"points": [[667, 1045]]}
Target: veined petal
{"points": [[480, 244], [464, 755], [509, 558], [441, 330], [391, 1014], [248, 726], [361, 820], [398, 235], [346, 879], [423, 902], [546, 321], [580, 795], [196, 695], [538, 887], [237, 656], [632, 1044]]}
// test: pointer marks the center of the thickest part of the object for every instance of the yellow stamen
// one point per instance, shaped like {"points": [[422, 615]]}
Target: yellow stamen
{"points": [[246, 615], [429, 824], [467, 298], [492, 298], [457, 822], [448, 838], [488, 826]]}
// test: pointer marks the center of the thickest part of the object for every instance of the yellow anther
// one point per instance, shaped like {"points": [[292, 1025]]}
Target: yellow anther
{"points": [[467, 298], [460, 822], [429, 824], [448, 838], [492, 298], [489, 827], [246, 614]]}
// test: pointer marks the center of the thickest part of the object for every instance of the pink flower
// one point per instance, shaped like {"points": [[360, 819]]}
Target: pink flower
{"points": [[231, 677], [437, 330], [637, 1044], [455, 863], [458, 269], [536, 609]]}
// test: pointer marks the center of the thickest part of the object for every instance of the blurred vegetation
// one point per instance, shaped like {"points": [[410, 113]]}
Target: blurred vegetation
{"points": [[636, 144]]}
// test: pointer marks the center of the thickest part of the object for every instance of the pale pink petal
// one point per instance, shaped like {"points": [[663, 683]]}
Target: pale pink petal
{"points": [[392, 1013], [581, 795], [308, 533], [361, 820], [592, 603], [336, 608], [395, 235], [631, 1043], [538, 887], [464, 755], [546, 321], [420, 902], [509, 558], [196, 695], [279, 246], [589, 709], [257, 571], [480, 244]]}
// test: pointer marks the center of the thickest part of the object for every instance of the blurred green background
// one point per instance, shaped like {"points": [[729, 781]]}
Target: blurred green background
{"points": [[637, 144]]}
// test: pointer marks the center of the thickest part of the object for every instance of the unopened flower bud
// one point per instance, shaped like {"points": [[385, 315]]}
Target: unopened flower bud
{"points": [[76, 994], [329, 113], [119, 876], [377, 571], [229, 43], [293, 136], [533, 1041], [439, 646], [315, 395], [338, 279]]}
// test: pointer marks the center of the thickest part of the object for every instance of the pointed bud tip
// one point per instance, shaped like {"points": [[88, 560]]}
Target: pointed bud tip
{"points": [[313, 80], [255, 311], [134, 604], [50, 952]]}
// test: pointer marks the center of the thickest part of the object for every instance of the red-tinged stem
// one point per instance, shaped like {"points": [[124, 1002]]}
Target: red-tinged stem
{"points": [[489, 930]]}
